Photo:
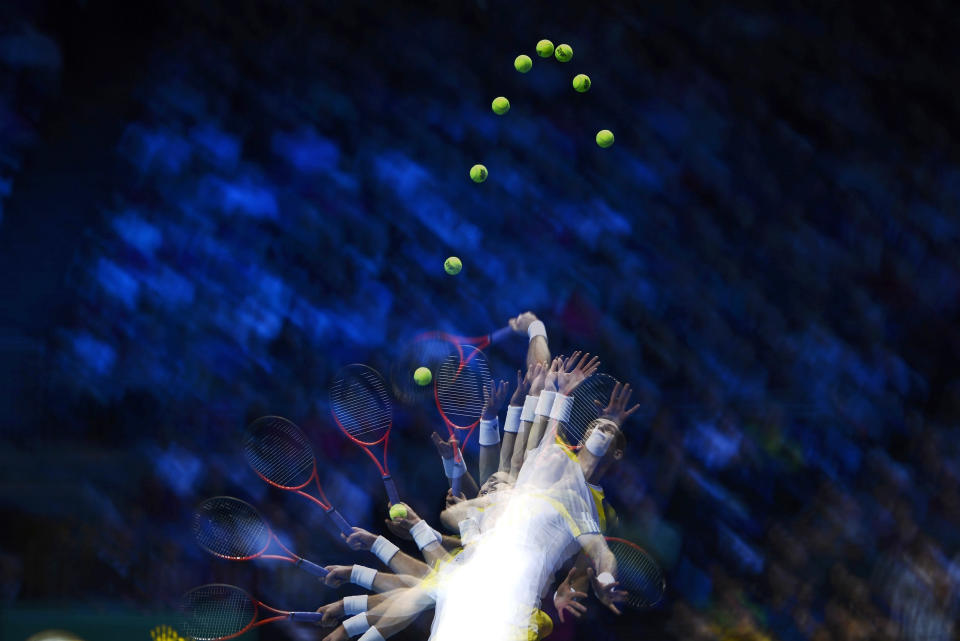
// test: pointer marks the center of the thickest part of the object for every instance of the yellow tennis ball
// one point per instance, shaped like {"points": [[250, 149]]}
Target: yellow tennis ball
{"points": [[604, 138], [500, 105], [452, 265], [478, 173], [398, 511], [422, 376], [581, 82], [523, 64], [544, 48], [563, 53]]}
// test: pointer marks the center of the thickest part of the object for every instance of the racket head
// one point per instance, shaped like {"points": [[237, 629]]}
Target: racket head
{"points": [[428, 349], [460, 387], [360, 404], [585, 409], [279, 452], [638, 573], [230, 528], [217, 611]]}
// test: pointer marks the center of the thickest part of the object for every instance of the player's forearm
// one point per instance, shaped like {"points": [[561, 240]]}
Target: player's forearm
{"points": [[385, 581], [538, 351], [403, 563], [510, 428], [519, 449], [537, 429]]}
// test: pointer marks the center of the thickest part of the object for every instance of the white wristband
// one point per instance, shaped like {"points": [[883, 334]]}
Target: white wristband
{"points": [[354, 604], [489, 432], [372, 635], [529, 407], [423, 535], [545, 403], [537, 328], [384, 549], [356, 624], [561, 408], [512, 423], [363, 576], [438, 535], [469, 530], [452, 468], [605, 578]]}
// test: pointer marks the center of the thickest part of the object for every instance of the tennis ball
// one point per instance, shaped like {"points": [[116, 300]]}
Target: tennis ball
{"points": [[500, 105], [544, 48], [581, 82], [478, 173], [398, 511], [422, 376], [452, 265], [604, 138], [523, 64], [564, 53]]}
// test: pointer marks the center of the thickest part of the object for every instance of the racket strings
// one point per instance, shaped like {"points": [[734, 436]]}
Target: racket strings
{"points": [[280, 452], [461, 386], [639, 575], [216, 611], [361, 403], [585, 409], [230, 528]]}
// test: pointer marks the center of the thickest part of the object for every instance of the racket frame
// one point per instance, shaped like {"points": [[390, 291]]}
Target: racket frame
{"points": [[254, 623]]}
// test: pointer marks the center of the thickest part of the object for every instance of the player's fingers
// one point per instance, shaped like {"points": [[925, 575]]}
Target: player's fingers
{"points": [[631, 410], [577, 607], [570, 573]]}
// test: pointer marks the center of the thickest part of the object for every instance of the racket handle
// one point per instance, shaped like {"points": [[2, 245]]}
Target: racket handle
{"points": [[311, 617], [500, 334], [312, 568], [340, 522], [455, 485], [391, 489]]}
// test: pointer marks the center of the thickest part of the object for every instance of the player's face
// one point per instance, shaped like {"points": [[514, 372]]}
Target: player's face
{"points": [[613, 431]]}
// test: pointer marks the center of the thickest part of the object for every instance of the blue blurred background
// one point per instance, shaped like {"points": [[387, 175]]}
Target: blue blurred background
{"points": [[208, 207]]}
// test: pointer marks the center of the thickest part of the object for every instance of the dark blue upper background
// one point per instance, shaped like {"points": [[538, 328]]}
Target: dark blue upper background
{"points": [[208, 208]]}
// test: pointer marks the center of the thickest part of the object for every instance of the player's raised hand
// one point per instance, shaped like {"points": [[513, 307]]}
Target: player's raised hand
{"points": [[523, 386], [444, 448], [521, 323], [494, 396], [360, 539], [574, 371], [332, 612], [550, 381], [452, 499], [565, 598], [538, 377], [338, 575], [616, 410], [607, 593]]}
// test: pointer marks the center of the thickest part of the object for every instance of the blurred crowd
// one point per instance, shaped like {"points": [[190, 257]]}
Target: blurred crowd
{"points": [[768, 253]]}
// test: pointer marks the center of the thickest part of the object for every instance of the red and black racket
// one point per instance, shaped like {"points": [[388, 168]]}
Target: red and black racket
{"points": [[233, 529], [462, 381], [362, 409], [217, 611], [430, 349], [280, 454], [638, 574]]}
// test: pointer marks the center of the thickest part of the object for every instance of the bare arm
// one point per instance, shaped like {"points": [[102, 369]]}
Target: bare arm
{"points": [[490, 432]]}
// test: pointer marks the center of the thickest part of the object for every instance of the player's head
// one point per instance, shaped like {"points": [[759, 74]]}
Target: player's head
{"points": [[496, 481], [605, 440]]}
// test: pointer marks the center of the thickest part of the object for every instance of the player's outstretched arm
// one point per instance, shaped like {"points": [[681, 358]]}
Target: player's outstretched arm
{"points": [[511, 424], [453, 468], [538, 375], [544, 404], [388, 553], [489, 436], [527, 323], [424, 536]]}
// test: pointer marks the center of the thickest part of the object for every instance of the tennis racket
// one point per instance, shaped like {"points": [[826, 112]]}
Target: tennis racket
{"points": [[217, 611], [430, 349], [585, 410], [280, 454], [233, 529], [362, 410], [461, 382], [638, 573]]}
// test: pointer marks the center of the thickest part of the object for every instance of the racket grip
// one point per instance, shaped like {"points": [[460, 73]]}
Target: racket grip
{"points": [[455, 485], [391, 489], [306, 616], [500, 334], [312, 568], [340, 522]]}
